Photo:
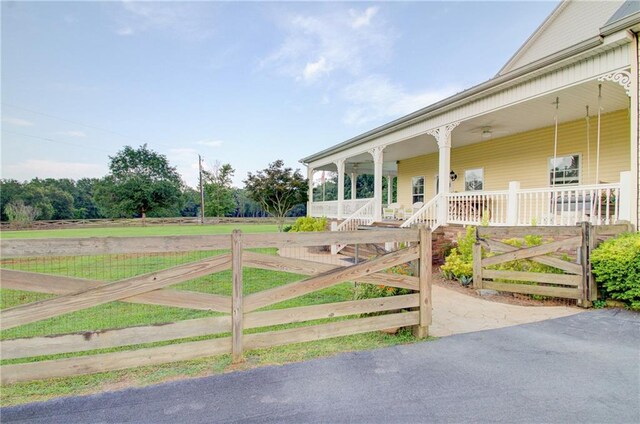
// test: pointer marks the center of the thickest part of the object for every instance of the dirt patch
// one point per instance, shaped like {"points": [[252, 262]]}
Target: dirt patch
{"points": [[508, 298]]}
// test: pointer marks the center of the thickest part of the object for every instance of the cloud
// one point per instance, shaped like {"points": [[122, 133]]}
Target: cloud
{"points": [[315, 69], [188, 20], [18, 122], [124, 31], [345, 41], [210, 143], [79, 134], [375, 98], [32, 168], [363, 19]]}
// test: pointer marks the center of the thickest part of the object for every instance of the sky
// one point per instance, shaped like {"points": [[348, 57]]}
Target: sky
{"points": [[244, 83]]}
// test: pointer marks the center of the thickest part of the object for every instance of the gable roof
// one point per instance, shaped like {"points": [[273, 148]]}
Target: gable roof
{"points": [[629, 8], [572, 22]]}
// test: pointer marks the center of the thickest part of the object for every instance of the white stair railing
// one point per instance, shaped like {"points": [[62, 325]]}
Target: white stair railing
{"points": [[427, 214], [363, 216]]}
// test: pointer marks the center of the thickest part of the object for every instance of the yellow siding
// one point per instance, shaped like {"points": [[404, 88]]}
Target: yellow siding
{"points": [[524, 157]]}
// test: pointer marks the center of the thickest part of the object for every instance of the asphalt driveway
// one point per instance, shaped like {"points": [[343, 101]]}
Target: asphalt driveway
{"points": [[580, 368]]}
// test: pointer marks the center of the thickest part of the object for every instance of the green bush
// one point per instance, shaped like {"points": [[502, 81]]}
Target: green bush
{"points": [[370, 291], [616, 267], [307, 223], [459, 263]]}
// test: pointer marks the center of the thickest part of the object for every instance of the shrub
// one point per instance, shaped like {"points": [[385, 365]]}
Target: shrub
{"points": [[307, 223], [369, 291], [616, 267], [18, 212], [459, 263]]}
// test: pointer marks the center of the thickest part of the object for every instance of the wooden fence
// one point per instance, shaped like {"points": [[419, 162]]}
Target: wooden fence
{"points": [[133, 222], [240, 312], [561, 243]]}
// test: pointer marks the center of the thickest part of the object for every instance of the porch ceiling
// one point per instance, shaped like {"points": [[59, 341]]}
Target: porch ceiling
{"points": [[522, 117], [511, 119]]}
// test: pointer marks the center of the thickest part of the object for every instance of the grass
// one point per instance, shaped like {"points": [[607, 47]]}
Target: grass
{"points": [[120, 314], [151, 230], [144, 376]]}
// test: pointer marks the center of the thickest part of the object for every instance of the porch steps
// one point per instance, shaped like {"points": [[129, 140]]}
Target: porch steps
{"points": [[442, 240]]}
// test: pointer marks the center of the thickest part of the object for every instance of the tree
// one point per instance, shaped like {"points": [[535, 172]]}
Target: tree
{"points": [[190, 202], [277, 189], [140, 181], [84, 201], [18, 212], [10, 190], [218, 193]]}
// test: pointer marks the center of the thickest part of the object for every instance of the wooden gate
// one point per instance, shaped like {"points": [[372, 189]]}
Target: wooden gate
{"points": [[566, 250], [241, 312]]}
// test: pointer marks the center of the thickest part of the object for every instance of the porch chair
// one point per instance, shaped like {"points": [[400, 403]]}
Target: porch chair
{"points": [[390, 211], [405, 212], [417, 206]]}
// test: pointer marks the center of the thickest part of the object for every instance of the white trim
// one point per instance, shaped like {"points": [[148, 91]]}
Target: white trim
{"points": [[424, 179], [465, 178], [580, 168]]}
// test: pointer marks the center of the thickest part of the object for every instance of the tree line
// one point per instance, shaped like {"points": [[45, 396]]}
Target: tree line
{"points": [[142, 183]]}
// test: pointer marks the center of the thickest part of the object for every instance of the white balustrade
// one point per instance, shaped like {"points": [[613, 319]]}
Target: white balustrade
{"points": [[597, 204], [478, 207], [427, 214]]}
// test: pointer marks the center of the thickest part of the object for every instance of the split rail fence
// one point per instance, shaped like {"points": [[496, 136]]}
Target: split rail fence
{"points": [[567, 250], [237, 313]]}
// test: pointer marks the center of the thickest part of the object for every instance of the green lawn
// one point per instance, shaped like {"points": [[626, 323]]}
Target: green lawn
{"points": [[151, 230], [120, 314]]}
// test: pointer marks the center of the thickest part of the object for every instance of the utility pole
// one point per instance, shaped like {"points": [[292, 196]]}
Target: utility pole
{"points": [[201, 191]]}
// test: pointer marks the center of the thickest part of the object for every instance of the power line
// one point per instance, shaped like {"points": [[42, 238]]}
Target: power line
{"points": [[71, 121], [84, 146]]}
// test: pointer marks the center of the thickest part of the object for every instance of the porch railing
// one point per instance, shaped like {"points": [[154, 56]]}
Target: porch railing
{"points": [[327, 208], [473, 207], [598, 204], [427, 214], [330, 209], [363, 216]]}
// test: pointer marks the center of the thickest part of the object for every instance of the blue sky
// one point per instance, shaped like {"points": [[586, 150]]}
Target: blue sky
{"points": [[239, 82]]}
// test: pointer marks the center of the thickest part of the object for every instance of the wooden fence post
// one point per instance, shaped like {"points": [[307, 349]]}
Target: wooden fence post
{"points": [[477, 265], [237, 325], [424, 281], [585, 281], [593, 243]]}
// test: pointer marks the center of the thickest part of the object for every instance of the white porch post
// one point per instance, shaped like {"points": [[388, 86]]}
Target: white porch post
{"points": [[443, 137], [376, 152], [354, 186], [625, 202], [634, 93], [512, 203], [310, 193], [389, 189], [340, 165]]}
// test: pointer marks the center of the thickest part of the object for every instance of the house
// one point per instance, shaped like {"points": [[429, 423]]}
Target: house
{"points": [[552, 139]]}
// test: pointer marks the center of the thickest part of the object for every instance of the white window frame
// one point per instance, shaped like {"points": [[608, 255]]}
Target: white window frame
{"points": [[413, 195], [465, 177], [550, 159]]}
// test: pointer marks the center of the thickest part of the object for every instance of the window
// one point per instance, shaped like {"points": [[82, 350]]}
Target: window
{"points": [[474, 179], [417, 189], [565, 170]]}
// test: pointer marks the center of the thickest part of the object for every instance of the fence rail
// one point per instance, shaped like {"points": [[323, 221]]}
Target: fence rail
{"points": [[241, 311], [132, 222]]}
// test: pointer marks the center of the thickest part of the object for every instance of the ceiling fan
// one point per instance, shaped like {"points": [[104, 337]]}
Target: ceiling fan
{"points": [[489, 129]]}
